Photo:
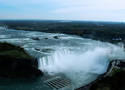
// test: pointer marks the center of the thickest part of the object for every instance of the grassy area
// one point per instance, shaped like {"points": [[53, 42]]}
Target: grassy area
{"points": [[13, 51], [15, 62], [103, 31]]}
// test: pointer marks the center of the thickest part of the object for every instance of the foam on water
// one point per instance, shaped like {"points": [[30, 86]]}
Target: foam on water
{"points": [[81, 67], [81, 60]]}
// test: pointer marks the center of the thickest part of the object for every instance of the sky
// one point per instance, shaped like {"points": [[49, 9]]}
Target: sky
{"points": [[92, 10]]}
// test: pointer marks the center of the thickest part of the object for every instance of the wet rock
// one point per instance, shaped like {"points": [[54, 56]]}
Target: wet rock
{"points": [[56, 37], [35, 38], [47, 50], [46, 38], [16, 63], [114, 80], [121, 64], [37, 49]]}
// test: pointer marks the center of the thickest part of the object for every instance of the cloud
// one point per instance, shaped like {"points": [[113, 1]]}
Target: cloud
{"points": [[106, 10], [67, 9], [87, 5], [69, 5]]}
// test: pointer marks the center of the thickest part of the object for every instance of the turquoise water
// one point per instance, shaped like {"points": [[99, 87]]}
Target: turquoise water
{"points": [[22, 84], [80, 60]]}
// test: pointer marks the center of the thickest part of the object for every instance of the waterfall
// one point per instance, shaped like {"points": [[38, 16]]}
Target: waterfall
{"points": [[81, 60], [81, 68], [3, 27]]}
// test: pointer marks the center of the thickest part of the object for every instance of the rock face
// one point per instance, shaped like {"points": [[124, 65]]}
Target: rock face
{"points": [[56, 37], [15, 62], [114, 80], [47, 50], [35, 38]]}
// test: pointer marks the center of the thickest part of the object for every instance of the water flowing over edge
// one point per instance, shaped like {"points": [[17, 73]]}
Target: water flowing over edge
{"points": [[81, 67]]}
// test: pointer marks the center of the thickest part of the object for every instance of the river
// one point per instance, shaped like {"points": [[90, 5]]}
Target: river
{"points": [[81, 60]]}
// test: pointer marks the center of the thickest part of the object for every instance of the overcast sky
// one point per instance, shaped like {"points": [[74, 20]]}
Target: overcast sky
{"points": [[97, 10]]}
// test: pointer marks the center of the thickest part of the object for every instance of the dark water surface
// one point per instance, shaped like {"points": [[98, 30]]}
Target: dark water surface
{"points": [[81, 60]]}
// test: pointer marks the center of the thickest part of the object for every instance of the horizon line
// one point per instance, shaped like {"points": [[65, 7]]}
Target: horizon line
{"points": [[61, 20]]}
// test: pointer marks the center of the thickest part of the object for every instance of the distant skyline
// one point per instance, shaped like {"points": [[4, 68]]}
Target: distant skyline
{"points": [[88, 10]]}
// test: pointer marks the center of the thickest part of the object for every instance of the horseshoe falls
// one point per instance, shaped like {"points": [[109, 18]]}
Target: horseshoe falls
{"points": [[83, 65], [80, 60]]}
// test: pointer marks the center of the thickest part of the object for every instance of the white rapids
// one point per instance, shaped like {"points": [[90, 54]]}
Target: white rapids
{"points": [[81, 60], [82, 67]]}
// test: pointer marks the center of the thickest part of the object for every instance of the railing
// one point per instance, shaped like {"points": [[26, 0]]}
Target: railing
{"points": [[59, 83]]}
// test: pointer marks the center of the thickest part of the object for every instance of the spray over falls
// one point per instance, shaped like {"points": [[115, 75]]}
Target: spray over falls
{"points": [[81, 67], [81, 60]]}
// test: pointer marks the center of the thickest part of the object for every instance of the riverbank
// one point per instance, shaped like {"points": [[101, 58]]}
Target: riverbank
{"points": [[41, 43], [103, 31], [16, 63], [113, 79]]}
